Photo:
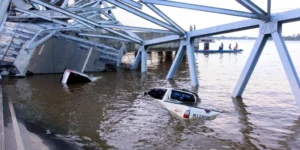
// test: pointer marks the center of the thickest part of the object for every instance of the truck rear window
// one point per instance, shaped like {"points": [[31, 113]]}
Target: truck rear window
{"points": [[157, 93], [183, 97]]}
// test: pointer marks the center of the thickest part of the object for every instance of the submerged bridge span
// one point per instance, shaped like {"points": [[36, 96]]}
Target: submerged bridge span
{"points": [[84, 19]]}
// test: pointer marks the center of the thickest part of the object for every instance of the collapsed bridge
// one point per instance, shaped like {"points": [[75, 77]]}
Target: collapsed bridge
{"points": [[26, 24]]}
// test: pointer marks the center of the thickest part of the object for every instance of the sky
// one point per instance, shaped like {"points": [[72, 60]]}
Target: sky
{"points": [[185, 18]]}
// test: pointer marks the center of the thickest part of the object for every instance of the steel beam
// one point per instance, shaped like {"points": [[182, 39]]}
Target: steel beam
{"points": [[133, 3], [192, 63], [75, 9], [287, 16], [124, 36], [104, 36], [31, 44], [162, 40], [226, 28], [106, 6], [130, 33], [87, 4], [43, 17], [96, 4], [107, 15], [135, 28], [4, 10], [177, 61], [165, 17], [137, 58], [288, 65], [42, 40], [76, 3], [201, 8], [88, 17], [53, 1], [64, 4], [250, 65], [82, 20], [141, 14], [253, 8], [104, 22], [269, 8], [284, 17], [21, 4], [63, 11], [3, 22], [87, 42]]}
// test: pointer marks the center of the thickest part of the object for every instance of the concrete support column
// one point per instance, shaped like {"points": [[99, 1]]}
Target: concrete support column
{"points": [[169, 55], [177, 61], [144, 59], [288, 65], [121, 51], [250, 65], [192, 63], [137, 59]]}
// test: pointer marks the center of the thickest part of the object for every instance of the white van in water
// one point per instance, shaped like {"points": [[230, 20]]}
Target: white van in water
{"points": [[182, 103]]}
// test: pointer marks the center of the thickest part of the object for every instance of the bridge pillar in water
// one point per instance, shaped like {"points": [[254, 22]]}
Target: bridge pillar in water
{"points": [[267, 30], [144, 59], [141, 56], [169, 55], [186, 46]]}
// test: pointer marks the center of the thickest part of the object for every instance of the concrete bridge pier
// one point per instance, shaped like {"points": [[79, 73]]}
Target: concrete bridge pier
{"points": [[160, 53], [169, 55]]}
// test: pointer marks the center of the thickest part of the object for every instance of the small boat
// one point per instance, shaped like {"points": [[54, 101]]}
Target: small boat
{"points": [[182, 103], [218, 51], [72, 76]]}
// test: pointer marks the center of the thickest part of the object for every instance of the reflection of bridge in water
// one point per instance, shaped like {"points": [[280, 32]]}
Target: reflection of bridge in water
{"points": [[25, 26]]}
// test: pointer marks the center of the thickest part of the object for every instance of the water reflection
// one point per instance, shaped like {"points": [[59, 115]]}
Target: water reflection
{"points": [[246, 125]]}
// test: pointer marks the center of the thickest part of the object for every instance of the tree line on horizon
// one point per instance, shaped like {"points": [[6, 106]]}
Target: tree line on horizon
{"points": [[293, 37]]}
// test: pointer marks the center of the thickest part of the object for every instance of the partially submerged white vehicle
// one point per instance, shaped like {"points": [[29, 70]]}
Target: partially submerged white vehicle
{"points": [[182, 103], [71, 76]]}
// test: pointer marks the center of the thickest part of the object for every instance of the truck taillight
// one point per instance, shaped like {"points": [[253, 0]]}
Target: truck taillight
{"points": [[186, 114]]}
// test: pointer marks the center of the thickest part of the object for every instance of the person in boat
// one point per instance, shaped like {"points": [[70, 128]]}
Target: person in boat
{"points": [[230, 47], [236, 46], [191, 28], [221, 46]]}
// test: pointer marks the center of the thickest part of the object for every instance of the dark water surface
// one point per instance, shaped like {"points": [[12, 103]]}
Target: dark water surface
{"points": [[110, 114]]}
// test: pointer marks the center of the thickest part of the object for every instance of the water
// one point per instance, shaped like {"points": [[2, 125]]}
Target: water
{"points": [[110, 114]]}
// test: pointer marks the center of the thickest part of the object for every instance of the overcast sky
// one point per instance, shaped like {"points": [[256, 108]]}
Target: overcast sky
{"points": [[185, 18]]}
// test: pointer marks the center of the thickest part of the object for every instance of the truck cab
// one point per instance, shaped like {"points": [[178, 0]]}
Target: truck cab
{"points": [[178, 96]]}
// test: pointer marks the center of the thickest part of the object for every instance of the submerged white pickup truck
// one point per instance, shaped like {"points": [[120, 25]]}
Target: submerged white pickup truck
{"points": [[182, 103]]}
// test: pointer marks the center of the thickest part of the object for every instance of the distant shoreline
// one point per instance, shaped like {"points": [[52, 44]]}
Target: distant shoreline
{"points": [[252, 38]]}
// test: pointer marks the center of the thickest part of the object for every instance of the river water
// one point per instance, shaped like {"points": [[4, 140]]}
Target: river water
{"points": [[110, 113]]}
